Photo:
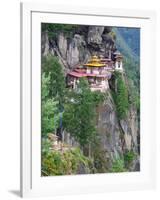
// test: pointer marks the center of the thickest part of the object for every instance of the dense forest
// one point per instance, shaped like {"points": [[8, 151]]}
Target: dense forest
{"points": [[84, 131]]}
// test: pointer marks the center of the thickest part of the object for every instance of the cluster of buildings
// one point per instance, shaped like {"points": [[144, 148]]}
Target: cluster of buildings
{"points": [[98, 70]]}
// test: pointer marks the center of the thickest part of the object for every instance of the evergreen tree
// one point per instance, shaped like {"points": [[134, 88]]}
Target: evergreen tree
{"points": [[121, 97], [50, 115], [52, 67], [79, 115]]}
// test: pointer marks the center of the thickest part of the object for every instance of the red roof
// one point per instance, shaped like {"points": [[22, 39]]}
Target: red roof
{"points": [[80, 70], [76, 74], [80, 73]]}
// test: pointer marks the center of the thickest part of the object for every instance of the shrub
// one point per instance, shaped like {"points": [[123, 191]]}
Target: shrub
{"points": [[98, 97], [118, 165], [129, 156], [64, 163]]}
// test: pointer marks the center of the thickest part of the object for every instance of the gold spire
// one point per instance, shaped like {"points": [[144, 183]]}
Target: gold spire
{"points": [[94, 62]]}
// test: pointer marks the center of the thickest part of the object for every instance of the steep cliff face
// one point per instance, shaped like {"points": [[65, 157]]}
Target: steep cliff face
{"points": [[78, 48], [116, 137]]}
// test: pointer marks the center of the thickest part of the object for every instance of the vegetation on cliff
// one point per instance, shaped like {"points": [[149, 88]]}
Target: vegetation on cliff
{"points": [[56, 86], [54, 29], [120, 96], [79, 115], [128, 42], [67, 162], [76, 111], [50, 113], [79, 112]]}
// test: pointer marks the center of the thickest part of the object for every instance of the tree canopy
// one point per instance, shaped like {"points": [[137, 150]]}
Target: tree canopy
{"points": [[79, 113], [50, 112], [56, 86], [121, 97]]}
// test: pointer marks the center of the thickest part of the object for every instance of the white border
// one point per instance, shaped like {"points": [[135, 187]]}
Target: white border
{"points": [[31, 182]]}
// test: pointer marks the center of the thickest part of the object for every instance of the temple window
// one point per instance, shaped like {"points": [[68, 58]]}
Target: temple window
{"points": [[119, 64]]}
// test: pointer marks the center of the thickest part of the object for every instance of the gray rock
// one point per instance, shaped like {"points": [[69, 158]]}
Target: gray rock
{"points": [[95, 34], [115, 137], [62, 45], [77, 51], [73, 54], [45, 44]]}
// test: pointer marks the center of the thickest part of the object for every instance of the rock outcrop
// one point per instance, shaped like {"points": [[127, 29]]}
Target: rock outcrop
{"points": [[117, 136], [78, 48]]}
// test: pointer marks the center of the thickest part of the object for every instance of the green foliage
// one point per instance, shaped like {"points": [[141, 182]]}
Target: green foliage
{"points": [[99, 155], [129, 156], [118, 165], [121, 97], [133, 82], [55, 29], [56, 86], [64, 163], [122, 164], [132, 71], [134, 98], [44, 86], [128, 42], [79, 115], [98, 97], [45, 146], [50, 115]]}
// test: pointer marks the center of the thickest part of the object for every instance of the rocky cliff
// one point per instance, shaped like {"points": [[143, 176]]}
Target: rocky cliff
{"points": [[77, 48], [117, 136]]}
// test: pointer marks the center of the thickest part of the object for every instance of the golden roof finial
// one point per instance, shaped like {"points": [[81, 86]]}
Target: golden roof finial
{"points": [[94, 62]]}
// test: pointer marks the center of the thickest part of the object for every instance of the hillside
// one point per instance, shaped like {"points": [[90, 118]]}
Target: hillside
{"points": [[128, 41]]}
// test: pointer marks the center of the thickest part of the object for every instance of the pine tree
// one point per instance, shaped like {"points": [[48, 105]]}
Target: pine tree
{"points": [[52, 67], [50, 115], [79, 115], [121, 97]]}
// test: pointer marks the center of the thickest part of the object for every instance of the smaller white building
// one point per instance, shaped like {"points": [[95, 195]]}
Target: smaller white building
{"points": [[118, 61]]}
